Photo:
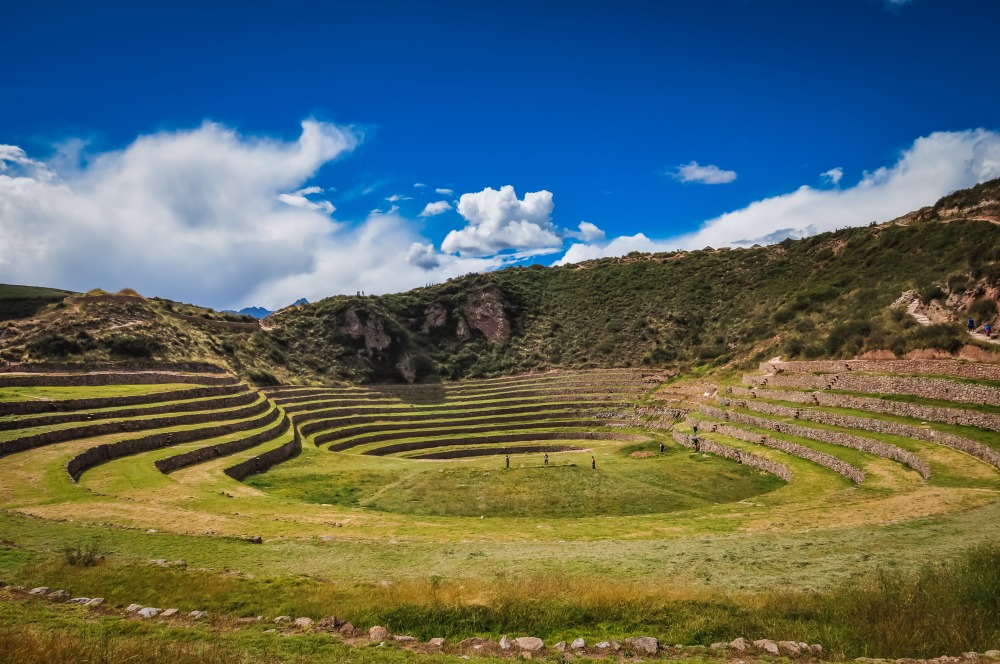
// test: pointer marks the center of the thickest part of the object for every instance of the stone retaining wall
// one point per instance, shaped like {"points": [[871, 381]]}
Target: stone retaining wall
{"points": [[958, 416], [66, 405], [861, 443], [938, 367], [71, 367], [112, 378], [930, 388], [263, 462], [445, 430], [242, 399], [509, 421], [124, 426], [203, 454], [503, 438], [522, 449], [838, 466], [99, 454], [976, 449], [746, 458]]}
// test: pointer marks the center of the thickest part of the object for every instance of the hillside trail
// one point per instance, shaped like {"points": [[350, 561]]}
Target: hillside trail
{"points": [[913, 309]]}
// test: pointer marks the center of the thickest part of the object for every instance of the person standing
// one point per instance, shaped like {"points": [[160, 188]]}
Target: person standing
{"points": [[546, 458], [593, 463], [508, 461], [661, 447]]}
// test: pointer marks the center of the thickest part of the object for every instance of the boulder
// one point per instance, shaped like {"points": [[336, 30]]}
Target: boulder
{"points": [[816, 648], [41, 590], [59, 595], [603, 645], [643, 645], [561, 646], [347, 628], [405, 638], [992, 654], [529, 643], [790, 647], [437, 642], [767, 645], [132, 608], [739, 644], [95, 602], [170, 613], [804, 647], [578, 644], [378, 633], [149, 612], [78, 600], [970, 655], [304, 622], [505, 642]]}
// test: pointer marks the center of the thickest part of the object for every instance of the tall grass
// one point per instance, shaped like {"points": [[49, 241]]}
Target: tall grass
{"points": [[939, 609]]}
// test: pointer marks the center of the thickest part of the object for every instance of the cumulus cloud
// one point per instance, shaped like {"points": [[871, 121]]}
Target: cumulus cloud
{"points": [[438, 207], [444, 192], [710, 174], [930, 168], [499, 220], [298, 199], [833, 176], [587, 232], [423, 256]]}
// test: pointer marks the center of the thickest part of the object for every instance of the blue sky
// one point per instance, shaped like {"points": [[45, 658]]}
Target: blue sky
{"points": [[103, 112]]}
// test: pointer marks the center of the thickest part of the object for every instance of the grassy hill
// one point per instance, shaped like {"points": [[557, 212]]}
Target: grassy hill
{"points": [[831, 295]]}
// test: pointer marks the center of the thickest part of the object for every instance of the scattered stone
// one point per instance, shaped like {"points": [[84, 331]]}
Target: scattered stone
{"points": [[132, 608], [437, 642], [304, 622], [739, 644], [169, 613], [615, 645], [79, 600], [378, 633], [197, 615], [578, 644], [97, 601], [256, 540], [159, 561], [603, 645], [59, 595], [529, 643], [41, 590], [347, 628], [505, 642], [970, 655], [804, 647], [767, 645], [330, 622], [718, 645], [992, 654], [643, 645], [790, 647], [282, 619], [561, 646], [149, 612], [816, 648], [405, 638]]}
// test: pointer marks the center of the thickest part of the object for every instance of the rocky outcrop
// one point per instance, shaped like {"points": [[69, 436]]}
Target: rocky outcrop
{"points": [[371, 330], [485, 312]]}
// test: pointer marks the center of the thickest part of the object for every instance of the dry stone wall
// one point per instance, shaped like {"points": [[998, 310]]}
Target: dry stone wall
{"points": [[504, 438], [409, 427], [934, 367], [517, 449], [976, 449], [958, 416], [449, 428], [930, 388], [111, 378], [262, 462], [108, 451], [203, 454], [71, 367], [746, 458], [124, 426], [66, 405], [861, 443], [838, 466]]}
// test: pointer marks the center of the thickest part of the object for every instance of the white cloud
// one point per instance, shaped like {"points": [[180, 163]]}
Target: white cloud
{"points": [[588, 232], [423, 255], [445, 192], [419, 185], [710, 174], [395, 198], [438, 207], [298, 199], [833, 176], [932, 167], [498, 220]]}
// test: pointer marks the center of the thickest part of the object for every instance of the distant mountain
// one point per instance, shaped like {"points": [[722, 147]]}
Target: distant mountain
{"points": [[256, 312], [300, 301]]}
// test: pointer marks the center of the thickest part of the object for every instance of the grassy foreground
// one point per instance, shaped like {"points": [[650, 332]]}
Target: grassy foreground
{"points": [[938, 609]]}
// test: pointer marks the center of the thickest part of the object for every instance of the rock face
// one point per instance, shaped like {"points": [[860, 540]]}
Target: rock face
{"points": [[378, 633], [529, 643], [484, 312], [435, 316], [643, 645], [371, 330]]}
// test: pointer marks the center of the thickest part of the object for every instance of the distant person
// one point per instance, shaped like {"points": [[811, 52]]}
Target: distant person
{"points": [[593, 463], [546, 458], [739, 457], [972, 324], [661, 447], [508, 461], [696, 428], [697, 445], [988, 329]]}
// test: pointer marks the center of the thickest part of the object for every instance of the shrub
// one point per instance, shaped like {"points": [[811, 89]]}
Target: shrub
{"points": [[133, 346], [983, 309], [81, 555]]}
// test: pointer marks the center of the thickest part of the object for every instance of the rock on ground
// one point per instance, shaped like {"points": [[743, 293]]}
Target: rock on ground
{"points": [[169, 613], [437, 642], [132, 608], [561, 646], [282, 619], [767, 645], [59, 595], [739, 644], [603, 644], [505, 642], [197, 615], [303, 622], [529, 643], [405, 638], [643, 645], [97, 601], [149, 612], [578, 644], [41, 590], [790, 647], [378, 633]]}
